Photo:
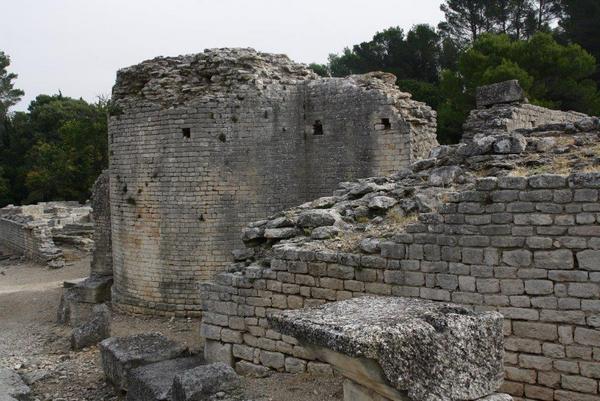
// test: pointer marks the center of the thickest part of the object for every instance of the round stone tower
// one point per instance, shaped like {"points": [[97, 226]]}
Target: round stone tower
{"points": [[202, 144]]}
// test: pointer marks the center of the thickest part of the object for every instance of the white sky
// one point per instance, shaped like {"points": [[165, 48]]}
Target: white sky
{"points": [[77, 45]]}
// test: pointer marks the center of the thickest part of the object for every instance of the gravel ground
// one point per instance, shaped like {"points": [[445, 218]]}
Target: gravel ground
{"points": [[34, 345]]}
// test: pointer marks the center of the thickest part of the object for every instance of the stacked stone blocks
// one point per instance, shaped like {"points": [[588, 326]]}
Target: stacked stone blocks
{"points": [[526, 247]]}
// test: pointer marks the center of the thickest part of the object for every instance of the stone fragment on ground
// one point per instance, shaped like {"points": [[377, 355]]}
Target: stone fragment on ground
{"points": [[12, 386], [121, 354], [205, 381], [431, 351], [249, 369], [154, 382], [94, 330]]}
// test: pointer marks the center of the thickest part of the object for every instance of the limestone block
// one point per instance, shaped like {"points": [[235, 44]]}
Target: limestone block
{"points": [[121, 354], [216, 351], [94, 289], [245, 368], [502, 92], [315, 218], [204, 381], [94, 330], [12, 386], [433, 351], [154, 382]]}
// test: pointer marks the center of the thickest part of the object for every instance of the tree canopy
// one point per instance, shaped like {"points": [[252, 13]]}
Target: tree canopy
{"points": [[55, 150], [9, 96]]}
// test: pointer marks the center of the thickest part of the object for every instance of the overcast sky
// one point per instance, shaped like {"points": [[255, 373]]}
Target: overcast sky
{"points": [[76, 46]]}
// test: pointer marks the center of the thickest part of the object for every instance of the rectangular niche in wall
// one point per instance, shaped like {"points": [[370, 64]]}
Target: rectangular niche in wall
{"points": [[386, 124], [187, 132], [318, 128]]}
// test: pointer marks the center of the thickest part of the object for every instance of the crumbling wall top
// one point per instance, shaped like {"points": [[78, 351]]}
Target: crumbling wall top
{"points": [[174, 80]]}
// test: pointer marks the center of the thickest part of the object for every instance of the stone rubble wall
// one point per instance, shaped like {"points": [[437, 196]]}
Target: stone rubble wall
{"points": [[30, 240], [505, 118], [29, 230], [201, 145], [102, 254], [526, 247]]}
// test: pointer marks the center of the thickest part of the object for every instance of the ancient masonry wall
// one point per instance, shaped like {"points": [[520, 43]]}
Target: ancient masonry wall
{"points": [[526, 247], [204, 144], [101, 264], [505, 118], [34, 241]]}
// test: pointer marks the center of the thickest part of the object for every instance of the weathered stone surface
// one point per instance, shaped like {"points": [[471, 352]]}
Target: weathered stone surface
{"points": [[510, 144], [102, 254], [271, 130], [121, 354], [382, 202], [216, 351], [94, 330], [315, 218], [11, 385], [502, 92], [420, 345], [200, 383], [245, 368], [444, 176], [154, 382], [94, 289]]}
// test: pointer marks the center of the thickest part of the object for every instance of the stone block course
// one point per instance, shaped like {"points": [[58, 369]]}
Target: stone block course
{"points": [[542, 282]]}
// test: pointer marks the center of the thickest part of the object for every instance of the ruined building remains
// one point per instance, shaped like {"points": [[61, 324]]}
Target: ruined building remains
{"points": [[202, 144], [38, 231], [503, 108], [508, 222]]}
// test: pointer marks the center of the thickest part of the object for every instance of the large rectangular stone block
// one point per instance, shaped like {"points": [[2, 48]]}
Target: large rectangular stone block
{"points": [[121, 354], [428, 351], [502, 92]]}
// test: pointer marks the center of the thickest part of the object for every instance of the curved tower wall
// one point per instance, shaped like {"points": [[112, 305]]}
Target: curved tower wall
{"points": [[201, 145]]}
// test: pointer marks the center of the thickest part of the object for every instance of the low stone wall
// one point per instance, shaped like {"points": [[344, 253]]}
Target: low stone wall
{"points": [[31, 240], [505, 118], [29, 230], [526, 247]]}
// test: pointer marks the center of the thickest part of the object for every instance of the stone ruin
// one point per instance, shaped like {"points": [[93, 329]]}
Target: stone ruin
{"points": [[503, 108], [506, 222], [201, 145], [82, 304], [38, 231]]}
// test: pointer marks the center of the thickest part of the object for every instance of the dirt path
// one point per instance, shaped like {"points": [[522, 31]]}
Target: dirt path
{"points": [[33, 344]]}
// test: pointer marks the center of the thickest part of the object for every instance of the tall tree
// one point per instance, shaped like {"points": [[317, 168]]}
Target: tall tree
{"points": [[581, 24], [465, 19], [9, 96], [520, 10], [547, 12], [417, 55]]}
